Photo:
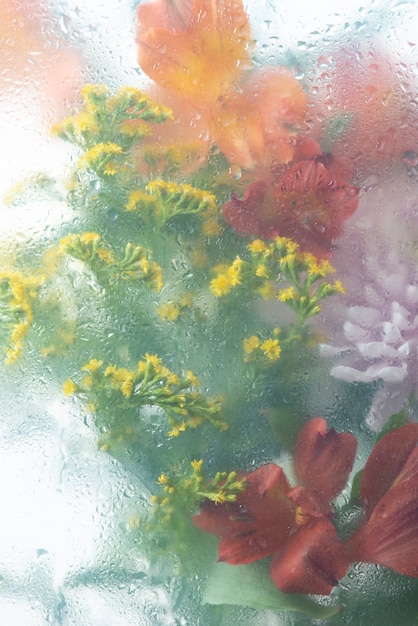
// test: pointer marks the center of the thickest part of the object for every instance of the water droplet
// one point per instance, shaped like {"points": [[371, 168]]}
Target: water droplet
{"points": [[235, 171]]}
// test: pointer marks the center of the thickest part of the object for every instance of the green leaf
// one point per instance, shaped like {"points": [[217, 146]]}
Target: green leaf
{"points": [[251, 585], [395, 421], [355, 489]]}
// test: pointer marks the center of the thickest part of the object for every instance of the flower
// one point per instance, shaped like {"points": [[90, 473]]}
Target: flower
{"points": [[194, 47], [252, 116], [309, 204], [256, 125], [380, 342], [389, 495], [271, 519]]}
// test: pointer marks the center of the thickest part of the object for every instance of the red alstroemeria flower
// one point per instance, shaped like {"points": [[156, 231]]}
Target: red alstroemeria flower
{"points": [[389, 494], [309, 204], [256, 524], [270, 518]]}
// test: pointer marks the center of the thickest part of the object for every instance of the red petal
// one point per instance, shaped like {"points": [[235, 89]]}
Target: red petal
{"points": [[390, 537], [385, 464], [256, 524], [246, 215], [313, 561], [305, 176], [323, 459]]}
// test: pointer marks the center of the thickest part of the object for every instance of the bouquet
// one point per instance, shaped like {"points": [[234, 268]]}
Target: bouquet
{"points": [[232, 310]]}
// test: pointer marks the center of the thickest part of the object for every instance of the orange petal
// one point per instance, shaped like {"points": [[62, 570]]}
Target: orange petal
{"points": [[197, 48]]}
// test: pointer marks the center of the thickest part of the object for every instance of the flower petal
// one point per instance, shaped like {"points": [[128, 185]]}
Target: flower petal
{"points": [[313, 561], [323, 458], [390, 537], [180, 43], [245, 215], [385, 463]]}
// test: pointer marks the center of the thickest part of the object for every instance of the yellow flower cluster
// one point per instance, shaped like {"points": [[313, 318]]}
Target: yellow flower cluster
{"points": [[171, 311], [266, 350], [119, 120], [134, 265], [183, 493], [227, 278], [106, 159], [151, 384], [279, 270], [160, 200], [17, 293]]}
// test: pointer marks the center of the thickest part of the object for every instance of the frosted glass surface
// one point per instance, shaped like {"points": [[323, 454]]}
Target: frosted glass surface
{"points": [[71, 548]]}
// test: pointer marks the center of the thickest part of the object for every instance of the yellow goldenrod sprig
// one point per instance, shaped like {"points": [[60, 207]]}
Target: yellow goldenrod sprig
{"points": [[170, 311], [262, 350], [184, 493], [161, 200], [17, 293], [151, 384], [90, 248], [120, 119], [278, 269], [227, 278]]}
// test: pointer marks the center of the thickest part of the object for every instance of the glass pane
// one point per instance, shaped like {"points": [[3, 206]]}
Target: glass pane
{"points": [[209, 312]]}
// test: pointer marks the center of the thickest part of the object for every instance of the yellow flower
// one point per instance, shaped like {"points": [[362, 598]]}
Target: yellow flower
{"points": [[87, 382], [288, 245], [221, 285], [234, 272], [318, 268], [197, 465], [192, 379], [69, 388], [163, 479], [211, 227], [267, 290], [127, 386], [250, 344], [157, 277], [271, 349], [92, 366], [169, 311], [339, 287], [177, 429], [219, 498], [262, 271], [257, 247], [154, 361], [285, 295]]}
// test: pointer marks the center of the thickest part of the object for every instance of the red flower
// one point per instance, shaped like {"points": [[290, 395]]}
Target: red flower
{"points": [[312, 562], [323, 458], [255, 525], [270, 518], [389, 494], [309, 204]]}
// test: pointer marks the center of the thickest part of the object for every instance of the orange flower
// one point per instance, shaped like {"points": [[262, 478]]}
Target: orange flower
{"points": [[198, 52], [198, 48], [258, 124]]}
